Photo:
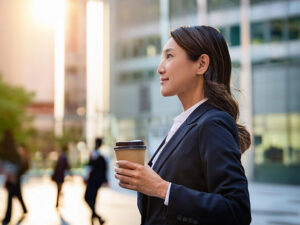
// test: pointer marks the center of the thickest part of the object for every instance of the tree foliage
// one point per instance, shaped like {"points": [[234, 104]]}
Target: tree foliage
{"points": [[13, 115]]}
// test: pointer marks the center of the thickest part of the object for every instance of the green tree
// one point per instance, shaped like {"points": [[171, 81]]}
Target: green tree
{"points": [[13, 115]]}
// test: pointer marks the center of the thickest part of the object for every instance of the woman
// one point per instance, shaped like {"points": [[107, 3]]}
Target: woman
{"points": [[195, 176]]}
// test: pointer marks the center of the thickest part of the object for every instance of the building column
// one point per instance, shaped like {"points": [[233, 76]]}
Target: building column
{"points": [[59, 68], [96, 82], [246, 86], [164, 21], [202, 12]]}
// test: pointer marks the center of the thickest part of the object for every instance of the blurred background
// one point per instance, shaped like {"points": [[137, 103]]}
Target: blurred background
{"points": [[74, 70]]}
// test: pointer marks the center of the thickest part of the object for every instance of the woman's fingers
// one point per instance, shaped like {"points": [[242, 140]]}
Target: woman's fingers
{"points": [[127, 186], [127, 164], [123, 179], [125, 172]]}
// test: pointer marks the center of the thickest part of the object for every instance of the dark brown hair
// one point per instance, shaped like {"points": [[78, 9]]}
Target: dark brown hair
{"points": [[200, 40]]}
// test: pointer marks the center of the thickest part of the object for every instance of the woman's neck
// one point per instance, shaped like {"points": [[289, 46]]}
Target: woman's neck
{"points": [[188, 101]]}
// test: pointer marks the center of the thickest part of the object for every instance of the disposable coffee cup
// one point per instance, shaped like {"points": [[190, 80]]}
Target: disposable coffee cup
{"points": [[133, 151]]}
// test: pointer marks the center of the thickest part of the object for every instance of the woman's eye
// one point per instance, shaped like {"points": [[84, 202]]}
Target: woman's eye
{"points": [[169, 56]]}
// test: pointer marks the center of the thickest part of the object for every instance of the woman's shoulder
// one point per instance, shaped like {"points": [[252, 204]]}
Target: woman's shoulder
{"points": [[217, 119], [216, 115], [217, 123]]}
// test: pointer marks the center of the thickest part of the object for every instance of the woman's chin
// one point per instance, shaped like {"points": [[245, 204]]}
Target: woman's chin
{"points": [[165, 93]]}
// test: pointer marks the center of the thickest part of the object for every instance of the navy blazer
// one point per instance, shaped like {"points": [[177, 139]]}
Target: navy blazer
{"points": [[202, 160]]}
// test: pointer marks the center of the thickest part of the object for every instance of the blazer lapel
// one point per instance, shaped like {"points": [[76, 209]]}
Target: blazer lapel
{"points": [[162, 143], [179, 135], [171, 145]]}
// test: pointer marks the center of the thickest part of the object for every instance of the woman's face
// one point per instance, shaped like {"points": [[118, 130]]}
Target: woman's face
{"points": [[177, 72]]}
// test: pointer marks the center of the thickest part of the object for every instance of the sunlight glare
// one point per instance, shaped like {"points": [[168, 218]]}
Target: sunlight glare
{"points": [[45, 11]]}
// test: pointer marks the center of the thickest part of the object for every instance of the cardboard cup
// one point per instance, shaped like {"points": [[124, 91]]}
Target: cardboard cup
{"points": [[133, 151]]}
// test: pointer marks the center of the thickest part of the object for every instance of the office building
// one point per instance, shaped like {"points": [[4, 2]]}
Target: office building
{"points": [[139, 29]]}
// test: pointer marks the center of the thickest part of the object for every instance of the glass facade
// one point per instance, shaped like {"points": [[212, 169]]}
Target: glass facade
{"points": [[213, 5], [232, 34], [134, 12], [180, 8], [277, 121], [276, 108], [275, 78], [276, 30], [294, 28], [128, 77], [132, 74], [253, 2], [270, 31], [258, 32], [148, 46]]}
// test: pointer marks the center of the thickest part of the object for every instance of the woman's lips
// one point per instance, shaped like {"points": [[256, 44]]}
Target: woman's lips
{"points": [[163, 80]]}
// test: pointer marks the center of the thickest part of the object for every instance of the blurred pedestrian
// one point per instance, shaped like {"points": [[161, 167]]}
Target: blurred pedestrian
{"points": [[96, 177], [61, 168], [196, 175], [17, 168], [24, 159]]}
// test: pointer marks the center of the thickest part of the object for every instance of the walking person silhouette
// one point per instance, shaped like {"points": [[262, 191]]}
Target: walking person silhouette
{"points": [[62, 166], [13, 181], [97, 176]]}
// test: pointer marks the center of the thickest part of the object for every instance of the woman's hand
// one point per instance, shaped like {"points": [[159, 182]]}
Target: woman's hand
{"points": [[140, 178]]}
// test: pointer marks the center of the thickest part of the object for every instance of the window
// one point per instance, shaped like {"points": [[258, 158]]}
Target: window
{"points": [[271, 31], [231, 34], [180, 8], [253, 2], [225, 32], [276, 121], [133, 12], [258, 32], [294, 28], [136, 76], [144, 98], [277, 30], [154, 44], [235, 38], [142, 47], [222, 4]]}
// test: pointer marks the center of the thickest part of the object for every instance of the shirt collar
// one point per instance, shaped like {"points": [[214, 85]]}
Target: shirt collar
{"points": [[185, 114]]}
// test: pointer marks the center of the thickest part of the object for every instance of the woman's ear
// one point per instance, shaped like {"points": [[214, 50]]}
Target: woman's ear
{"points": [[202, 64]]}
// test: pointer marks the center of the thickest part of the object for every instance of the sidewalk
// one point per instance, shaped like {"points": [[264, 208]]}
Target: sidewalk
{"points": [[271, 204], [275, 204], [40, 195]]}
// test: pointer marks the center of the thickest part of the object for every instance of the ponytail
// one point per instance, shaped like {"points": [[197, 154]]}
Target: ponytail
{"points": [[219, 97]]}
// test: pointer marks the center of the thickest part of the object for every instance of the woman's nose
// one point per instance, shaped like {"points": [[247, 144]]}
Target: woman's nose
{"points": [[161, 69]]}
